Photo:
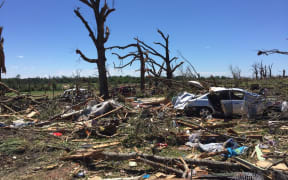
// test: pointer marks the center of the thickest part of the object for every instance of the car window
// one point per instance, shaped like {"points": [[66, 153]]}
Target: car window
{"points": [[224, 95], [237, 95], [204, 97]]}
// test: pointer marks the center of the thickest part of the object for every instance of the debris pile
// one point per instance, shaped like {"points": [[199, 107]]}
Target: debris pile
{"points": [[152, 138]]}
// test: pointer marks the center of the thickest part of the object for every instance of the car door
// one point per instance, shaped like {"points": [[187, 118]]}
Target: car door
{"points": [[237, 99], [226, 103]]}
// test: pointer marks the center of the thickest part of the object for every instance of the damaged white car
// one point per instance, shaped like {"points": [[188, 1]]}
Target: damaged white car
{"points": [[225, 101]]}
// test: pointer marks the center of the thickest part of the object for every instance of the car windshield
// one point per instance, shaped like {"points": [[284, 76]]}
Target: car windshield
{"points": [[204, 96]]}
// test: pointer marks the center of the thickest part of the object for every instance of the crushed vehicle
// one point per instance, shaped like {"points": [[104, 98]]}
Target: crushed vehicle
{"points": [[124, 91], [75, 94], [226, 101]]}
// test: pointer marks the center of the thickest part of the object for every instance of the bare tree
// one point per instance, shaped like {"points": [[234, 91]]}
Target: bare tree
{"points": [[196, 74], [2, 55], [138, 55], [265, 72], [166, 58], [235, 71], [261, 70], [255, 70], [270, 70], [99, 41]]}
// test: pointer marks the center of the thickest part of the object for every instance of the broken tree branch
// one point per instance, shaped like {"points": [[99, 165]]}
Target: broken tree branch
{"points": [[273, 51], [177, 66], [86, 58], [91, 34], [86, 2], [159, 165], [2, 4], [212, 164]]}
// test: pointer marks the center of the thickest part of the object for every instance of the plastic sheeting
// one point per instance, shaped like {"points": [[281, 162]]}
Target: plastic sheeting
{"points": [[182, 99], [212, 147], [284, 107], [284, 110], [94, 109]]}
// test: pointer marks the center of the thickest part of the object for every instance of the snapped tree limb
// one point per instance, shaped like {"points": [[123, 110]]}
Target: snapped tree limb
{"points": [[91, 33], [86, 2], [86, 58], [273, 51]]}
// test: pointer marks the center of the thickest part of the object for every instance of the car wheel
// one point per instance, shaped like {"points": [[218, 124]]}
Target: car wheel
{"points": [[204, 112], [189, 111]]}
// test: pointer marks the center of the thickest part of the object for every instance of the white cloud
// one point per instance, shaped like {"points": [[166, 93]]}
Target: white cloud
{"points": [[20, 57], [207, 73], [124, 72]]}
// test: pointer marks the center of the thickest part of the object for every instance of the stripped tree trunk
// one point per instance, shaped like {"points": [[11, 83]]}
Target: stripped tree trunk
{"points": [[101, 15]]}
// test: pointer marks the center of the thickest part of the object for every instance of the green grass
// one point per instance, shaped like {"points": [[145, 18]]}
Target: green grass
{"points": [[13, 146], [46, 93], [39, 93]]}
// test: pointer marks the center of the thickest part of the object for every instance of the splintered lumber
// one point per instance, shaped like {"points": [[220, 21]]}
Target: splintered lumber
{"points": [[186, 167], [7, 107], [110, 112], [106, 145], [194, 125], [281, 175], [250, 165], [209, 163], [18, 116], [90, 153], [250, 132], [71, 114], [187, 124], [259, 153], [159, 165], [222, 125], [214, 126], [8, 88], [89, 122], [85, 154], [210, 154]]}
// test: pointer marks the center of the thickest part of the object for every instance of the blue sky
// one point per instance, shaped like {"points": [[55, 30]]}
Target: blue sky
{"points": [[41, 36]]}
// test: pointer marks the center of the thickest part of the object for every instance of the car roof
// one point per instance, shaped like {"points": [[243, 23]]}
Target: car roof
{"points": [[74, 89], [217, 89]]}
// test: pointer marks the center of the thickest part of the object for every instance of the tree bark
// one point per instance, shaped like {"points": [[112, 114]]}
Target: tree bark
{"points": [[103, 81], [142, 85]]}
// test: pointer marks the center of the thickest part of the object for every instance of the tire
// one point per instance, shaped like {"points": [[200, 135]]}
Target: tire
{"points": [[204, 112], [189, 111]]}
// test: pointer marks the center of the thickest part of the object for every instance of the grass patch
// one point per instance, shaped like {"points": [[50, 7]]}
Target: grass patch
{"points": [[13, 146]]}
